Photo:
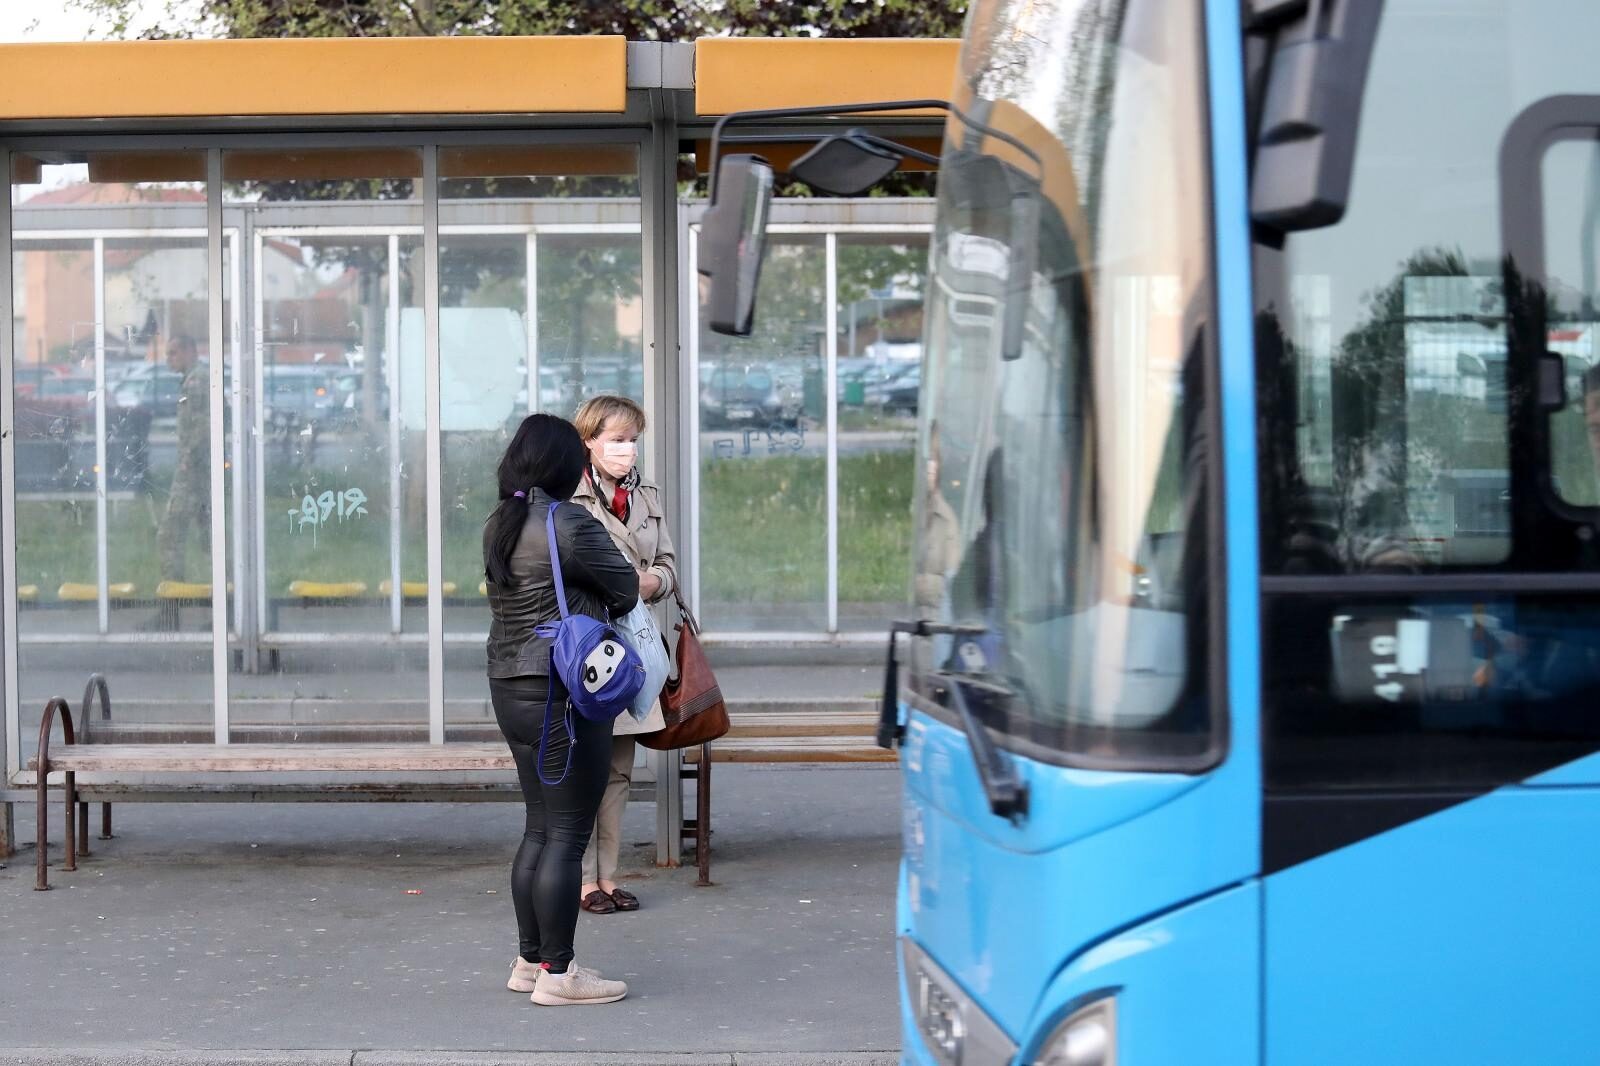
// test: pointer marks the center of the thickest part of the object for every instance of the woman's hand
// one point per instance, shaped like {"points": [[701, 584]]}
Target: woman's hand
{"points": [[649, 585]]}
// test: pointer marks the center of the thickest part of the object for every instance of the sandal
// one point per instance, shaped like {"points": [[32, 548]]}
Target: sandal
{"points": [[597, 902], [625, 900]]}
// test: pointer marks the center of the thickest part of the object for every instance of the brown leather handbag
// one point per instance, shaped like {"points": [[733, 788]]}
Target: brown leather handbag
{"points": [[692, 701]]}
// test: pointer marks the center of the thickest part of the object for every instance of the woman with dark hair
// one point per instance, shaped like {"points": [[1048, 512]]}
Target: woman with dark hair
{"points": [[540, 470]]}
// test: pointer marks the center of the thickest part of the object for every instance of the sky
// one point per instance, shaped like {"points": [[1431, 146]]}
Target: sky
{"points": [[51, 20], [54, 20]]}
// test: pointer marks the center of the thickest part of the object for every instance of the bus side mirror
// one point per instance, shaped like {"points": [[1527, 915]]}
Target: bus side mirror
{"points": [[1310, 109], [846, 164], [733, 241]]}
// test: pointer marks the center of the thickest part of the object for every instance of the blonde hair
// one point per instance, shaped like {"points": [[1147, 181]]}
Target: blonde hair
{"points": [[596, 411]]}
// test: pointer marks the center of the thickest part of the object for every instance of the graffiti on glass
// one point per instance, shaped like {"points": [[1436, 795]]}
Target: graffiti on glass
{"points": [[314, 512], [777, 438]]}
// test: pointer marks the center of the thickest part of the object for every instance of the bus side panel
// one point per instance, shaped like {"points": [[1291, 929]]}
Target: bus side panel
{"points": [[1468, 936], [1187, 986]]}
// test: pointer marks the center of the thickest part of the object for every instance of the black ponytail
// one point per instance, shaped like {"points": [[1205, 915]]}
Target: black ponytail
{"points": [[546, 453]]}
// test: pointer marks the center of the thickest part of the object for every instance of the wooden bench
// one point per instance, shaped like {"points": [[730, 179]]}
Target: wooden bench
{"points": [[754, 737], [74, 758], [775, 737]]}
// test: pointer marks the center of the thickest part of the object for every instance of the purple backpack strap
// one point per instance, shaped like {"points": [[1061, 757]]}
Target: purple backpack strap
{"points": [[555, 559]]}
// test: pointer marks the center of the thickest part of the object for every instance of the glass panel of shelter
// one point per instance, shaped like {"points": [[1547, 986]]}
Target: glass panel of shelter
{"points": [[541, 301], [113, 412]]}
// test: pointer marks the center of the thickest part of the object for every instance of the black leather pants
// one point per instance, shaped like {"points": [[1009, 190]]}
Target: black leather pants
{"points": [[547, 872]]}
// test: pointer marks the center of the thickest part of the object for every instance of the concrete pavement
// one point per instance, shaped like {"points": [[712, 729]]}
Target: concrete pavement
{"points": [[288, 930]]}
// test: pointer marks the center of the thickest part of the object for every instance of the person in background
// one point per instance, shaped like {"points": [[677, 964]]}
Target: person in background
{"points": [[615, 493], [938, 550], [188, 497], [939, 545]]}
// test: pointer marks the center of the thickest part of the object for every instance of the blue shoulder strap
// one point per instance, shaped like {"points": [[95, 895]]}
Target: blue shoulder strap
{"points": [[544, 734], [555, 558]]}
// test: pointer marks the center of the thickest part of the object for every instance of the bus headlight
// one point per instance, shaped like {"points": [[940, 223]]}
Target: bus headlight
{"points": [[953, 1028], [1088, 1037], [939, 1015]]}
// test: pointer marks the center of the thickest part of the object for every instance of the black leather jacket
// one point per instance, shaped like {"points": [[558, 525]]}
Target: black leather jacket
{"points": [[600, 583]]}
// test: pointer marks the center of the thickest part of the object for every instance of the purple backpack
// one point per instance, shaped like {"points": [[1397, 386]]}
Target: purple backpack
{"points": [[600, 672]]}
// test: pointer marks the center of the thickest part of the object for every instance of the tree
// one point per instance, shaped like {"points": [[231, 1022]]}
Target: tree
{"points": [[639, 20], [840, 18]]}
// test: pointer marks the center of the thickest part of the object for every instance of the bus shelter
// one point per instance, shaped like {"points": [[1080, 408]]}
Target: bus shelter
{"points": [[275, 311]]}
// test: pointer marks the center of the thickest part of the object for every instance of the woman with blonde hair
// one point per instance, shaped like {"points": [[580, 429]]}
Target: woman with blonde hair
{"points": [[614, 492]]}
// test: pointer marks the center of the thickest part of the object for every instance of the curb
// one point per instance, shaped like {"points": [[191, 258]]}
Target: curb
{"points": [[141, 1057]]}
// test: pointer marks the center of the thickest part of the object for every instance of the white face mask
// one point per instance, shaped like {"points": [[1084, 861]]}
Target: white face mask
{"points": [[617, 457]]}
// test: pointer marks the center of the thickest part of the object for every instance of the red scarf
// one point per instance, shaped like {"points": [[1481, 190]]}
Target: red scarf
{"points": [[619, 502]]}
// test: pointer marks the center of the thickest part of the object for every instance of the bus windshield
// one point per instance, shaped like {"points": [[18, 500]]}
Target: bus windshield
{"points": [[1066, 337]]}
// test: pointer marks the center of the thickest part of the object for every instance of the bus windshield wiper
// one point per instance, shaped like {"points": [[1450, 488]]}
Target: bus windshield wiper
{"points": [[1003, 787]]}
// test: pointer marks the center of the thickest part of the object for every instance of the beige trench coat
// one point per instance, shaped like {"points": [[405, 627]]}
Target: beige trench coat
{"points": [[644, 540]]}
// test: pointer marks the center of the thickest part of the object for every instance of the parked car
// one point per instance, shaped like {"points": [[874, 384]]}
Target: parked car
{"points": [[26, 378], [70, 395], [563, 386], [296, 397], [55, 438], [897, 393], [55, 408], [743, 396]]}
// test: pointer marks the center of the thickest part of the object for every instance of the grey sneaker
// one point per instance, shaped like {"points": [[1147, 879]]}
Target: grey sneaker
{"points": [[525, 974], [576, 988]]}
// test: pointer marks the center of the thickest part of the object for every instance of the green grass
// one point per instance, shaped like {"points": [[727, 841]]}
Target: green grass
{"points": [[764, 532], [762, 520]]}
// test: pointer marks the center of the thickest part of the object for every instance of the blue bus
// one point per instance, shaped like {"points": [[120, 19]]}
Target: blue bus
{"points": [[1252, 706]]}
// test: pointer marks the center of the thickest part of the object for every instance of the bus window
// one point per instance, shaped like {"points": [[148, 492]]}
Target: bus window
{"points": [[1062, 501], [1570, 176], [1428, 538], [1385, 342]]}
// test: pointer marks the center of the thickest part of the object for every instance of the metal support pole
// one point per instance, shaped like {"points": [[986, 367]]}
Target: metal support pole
{"points": [[702, 818], [831, 355], [663, 382], [215, 348], [239, 546], [531, 300], [102, 549], [258, 466], [396, 482], [689, 552], [430, 329], [10, 758]]}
